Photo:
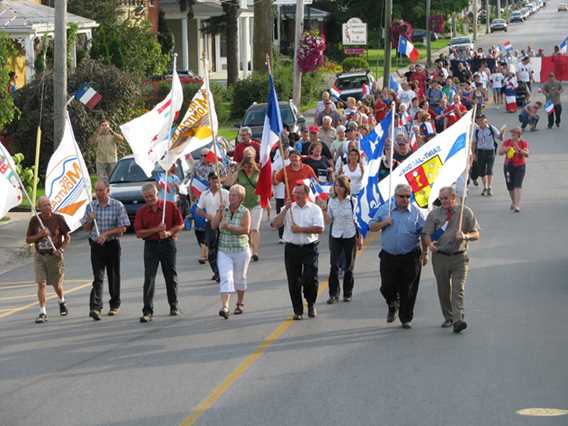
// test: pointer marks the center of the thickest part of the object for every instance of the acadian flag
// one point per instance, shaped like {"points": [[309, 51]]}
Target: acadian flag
{"points": [[149, 134], [270, 136], [87, 96], [197, 128], [549, 106], [9, 183], [394, 84], [406, 48], [67, 181]]}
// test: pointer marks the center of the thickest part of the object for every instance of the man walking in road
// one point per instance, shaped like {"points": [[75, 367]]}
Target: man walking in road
{"points": [[159, 247], [111, 222], [485, 139], [448, 244], [401, 259], [552, 90], [50, 237], [303, 222], [106, 141]]}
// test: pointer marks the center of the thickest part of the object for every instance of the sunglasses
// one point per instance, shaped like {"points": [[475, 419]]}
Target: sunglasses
{"points": [[403, 196]]}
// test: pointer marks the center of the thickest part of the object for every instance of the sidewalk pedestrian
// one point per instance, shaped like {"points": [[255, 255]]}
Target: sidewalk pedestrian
{"points": [[207, 206], [50, 241], [104, 240], [552, 90], [450, 261], [233, 222], [159, 247], [516, 151], [401, 259], [303, 222], [106, 141]]}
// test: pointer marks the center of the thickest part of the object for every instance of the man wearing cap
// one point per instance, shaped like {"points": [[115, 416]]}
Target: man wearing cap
{"points": [[552, 90], [303, 222], [402, 149], [448, 244], [245, 137], [525, 72], [296, 171], [313, 139], [328, 111]]}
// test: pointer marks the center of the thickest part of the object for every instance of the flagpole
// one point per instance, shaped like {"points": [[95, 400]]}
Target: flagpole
{"points": [[391, 156], [468, 153], [169, 142]]}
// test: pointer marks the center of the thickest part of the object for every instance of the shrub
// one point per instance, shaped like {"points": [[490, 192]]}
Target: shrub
{"points": [[354, 63]]}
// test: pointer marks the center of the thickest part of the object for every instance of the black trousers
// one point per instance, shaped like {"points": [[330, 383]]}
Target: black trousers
{"points": [[279, 206], [400, 276], [302, 272], [159, 252], [211, 239], [554, 116], [341, 250], [105, 257]]}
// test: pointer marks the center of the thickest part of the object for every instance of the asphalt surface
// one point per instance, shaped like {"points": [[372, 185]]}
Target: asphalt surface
{"points": [[348, 366]]}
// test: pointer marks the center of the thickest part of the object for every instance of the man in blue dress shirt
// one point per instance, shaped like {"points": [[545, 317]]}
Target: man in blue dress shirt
{"points": [[401, 258]]}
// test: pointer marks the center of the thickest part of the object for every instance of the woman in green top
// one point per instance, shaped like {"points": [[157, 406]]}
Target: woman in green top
{"points": [[233, 255], [247, 175]]}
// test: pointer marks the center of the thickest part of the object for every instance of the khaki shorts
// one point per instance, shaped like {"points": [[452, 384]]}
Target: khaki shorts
{"points": [[49, 268], [256, 218]]}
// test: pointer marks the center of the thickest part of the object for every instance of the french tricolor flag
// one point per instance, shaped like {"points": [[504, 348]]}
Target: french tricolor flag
{"points": [[198, 185], [406, 48], [270, 137], [318, 191], [87, 96], [549, 106], [507, 46], [335, 92]]}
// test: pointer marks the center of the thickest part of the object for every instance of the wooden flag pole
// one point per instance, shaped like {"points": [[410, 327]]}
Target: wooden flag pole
{"points": [[391, 155], [468, 154], [169, 142]]}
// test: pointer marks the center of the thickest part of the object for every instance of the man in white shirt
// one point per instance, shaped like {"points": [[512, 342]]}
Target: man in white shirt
{"points": [[524, 72], [303, 222], [210, 201], [406, 95]]}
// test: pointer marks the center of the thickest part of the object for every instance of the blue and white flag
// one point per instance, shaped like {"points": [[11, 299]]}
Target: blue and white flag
{"points": [[394, 84], [270, 137], [564, 45], [440, 231], [369, 197], [549, 106]]}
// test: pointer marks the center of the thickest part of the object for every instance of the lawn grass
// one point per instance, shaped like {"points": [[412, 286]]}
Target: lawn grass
{"points": [[228, 132]]}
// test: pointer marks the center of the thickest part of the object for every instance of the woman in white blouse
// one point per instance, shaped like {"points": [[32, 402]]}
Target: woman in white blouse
{"points": [[353, 169], [344, 239]]}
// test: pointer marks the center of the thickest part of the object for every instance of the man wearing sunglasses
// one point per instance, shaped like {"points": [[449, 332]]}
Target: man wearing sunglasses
{"points": [[401, 259]]}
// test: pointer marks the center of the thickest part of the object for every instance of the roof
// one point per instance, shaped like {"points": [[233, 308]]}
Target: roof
{"points": [[289, 12], [25, 17]]}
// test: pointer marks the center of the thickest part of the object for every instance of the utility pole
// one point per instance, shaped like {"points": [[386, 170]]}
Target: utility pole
{"points": [[487, 17], [498, 9], [428, 34], [474, 20], [60, 71], [299, 30], [388, 19]]}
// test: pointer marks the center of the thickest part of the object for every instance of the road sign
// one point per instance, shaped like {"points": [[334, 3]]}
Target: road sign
{"points": [[354, 32]]}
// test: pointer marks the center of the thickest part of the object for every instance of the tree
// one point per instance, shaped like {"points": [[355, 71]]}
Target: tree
{"points": [[262, 35], [7, 108]]}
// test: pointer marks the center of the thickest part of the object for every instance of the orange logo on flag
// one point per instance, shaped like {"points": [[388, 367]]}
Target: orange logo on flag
{"points": [[421, 179], [72, 208]]}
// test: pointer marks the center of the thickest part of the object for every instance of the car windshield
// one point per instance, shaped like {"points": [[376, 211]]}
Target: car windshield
{"points": [[461, 40], [498, 21], [255, 117], [127, 171], [515, 14], [351, 83]]}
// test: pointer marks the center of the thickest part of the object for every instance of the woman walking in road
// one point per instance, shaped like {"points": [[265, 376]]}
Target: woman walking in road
{"points": [[233, 222], [515, 150]]}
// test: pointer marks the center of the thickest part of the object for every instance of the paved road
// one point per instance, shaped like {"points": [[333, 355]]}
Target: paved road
{"points": [[347, 366]]}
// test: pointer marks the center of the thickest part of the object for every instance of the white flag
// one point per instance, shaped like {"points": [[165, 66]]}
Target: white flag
{"points": [[195, 130], [67, 181], [11, 194], [149, 134]]}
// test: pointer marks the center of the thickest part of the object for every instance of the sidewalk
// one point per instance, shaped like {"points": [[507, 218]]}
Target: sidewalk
{"points": [[13, 248]]}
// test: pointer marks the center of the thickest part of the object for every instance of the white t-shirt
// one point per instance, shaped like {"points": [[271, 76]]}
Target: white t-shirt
{"points": [[309, 215], [280, 189], [524, 72], [497, 80], [406, 96], [210, 202], [355, 176]]}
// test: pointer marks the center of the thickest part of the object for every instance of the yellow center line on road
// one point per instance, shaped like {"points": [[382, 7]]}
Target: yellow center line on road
{"points": [[51, 297], [24, 284], [220, 390]]}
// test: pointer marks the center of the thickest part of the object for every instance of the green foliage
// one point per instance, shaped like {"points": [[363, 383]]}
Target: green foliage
{"points": [[102, 11], [26, 173], [121, 102], [130, 46], [355, 63], [7, 108], [72, 32]]}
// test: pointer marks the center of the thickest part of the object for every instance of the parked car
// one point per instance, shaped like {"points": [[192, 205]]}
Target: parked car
{"points": [[254, 117], [461, 43], [498, 25], [525, 11], [419, 36], [563, 7], [127, 179], [350, 84], [517, 17]]}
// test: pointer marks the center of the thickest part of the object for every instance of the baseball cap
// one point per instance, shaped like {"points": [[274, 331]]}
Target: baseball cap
{"points": [[352, 125], [314, 129]]}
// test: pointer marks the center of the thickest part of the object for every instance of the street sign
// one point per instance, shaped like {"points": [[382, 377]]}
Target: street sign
{"points": [[354, 32]]}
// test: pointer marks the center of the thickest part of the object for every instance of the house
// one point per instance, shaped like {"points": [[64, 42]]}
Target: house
{"points": [[191, 43], [27, 22]]}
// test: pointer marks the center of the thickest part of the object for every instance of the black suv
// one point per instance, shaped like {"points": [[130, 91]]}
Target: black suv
{"points": [[254, 118]]}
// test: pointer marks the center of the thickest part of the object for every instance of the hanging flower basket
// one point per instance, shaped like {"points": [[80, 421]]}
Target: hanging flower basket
{"points": [[310, 53]]}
